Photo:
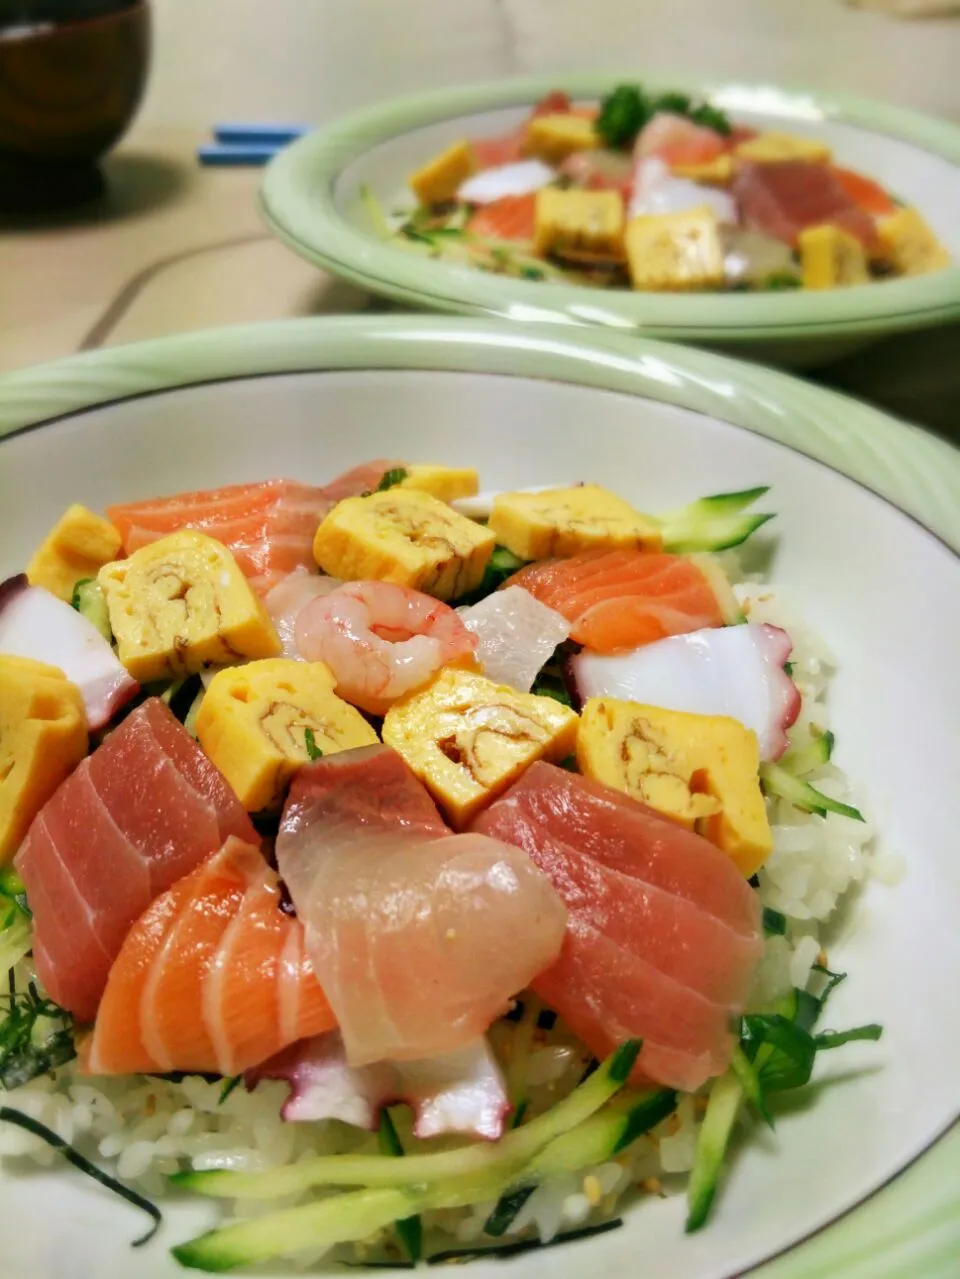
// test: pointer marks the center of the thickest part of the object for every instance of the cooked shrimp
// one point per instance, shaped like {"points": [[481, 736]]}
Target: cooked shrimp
{"points": [[382, 641]]}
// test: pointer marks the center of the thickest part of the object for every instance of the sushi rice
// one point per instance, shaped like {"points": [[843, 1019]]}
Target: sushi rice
{"points": [[144, 1129]]}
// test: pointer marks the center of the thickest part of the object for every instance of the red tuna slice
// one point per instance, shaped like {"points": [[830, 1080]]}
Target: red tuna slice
{"points": [[143, 810], [268, 527], [419, 938], [663, 934], [783, 199]]}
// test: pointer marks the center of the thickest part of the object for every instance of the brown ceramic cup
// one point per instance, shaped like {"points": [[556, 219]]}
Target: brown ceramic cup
{"points": [[69, 88]]}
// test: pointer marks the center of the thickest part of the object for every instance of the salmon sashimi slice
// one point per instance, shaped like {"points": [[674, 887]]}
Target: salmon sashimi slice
{"points": [[420, 938], [213, 977], [618, 600], [511, 217], [663, 936], [783, 199], [676, 140], [134, 817], [864, 192], [268, 527]]}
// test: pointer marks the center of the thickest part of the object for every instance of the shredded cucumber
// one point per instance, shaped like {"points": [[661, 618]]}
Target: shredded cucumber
{"points": [[777, 781], [595, 1141], [713, 523], [712, 1141], [800, 760], [511, 1151], [409, 1229], [89, 600], [419, 1183], [378, 219]]}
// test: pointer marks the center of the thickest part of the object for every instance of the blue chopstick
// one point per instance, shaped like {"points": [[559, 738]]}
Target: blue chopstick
{"points": [[221, 154], [251, 134]]}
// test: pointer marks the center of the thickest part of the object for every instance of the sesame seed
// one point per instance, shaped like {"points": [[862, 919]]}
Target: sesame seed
{"points": [[592, 1190]]}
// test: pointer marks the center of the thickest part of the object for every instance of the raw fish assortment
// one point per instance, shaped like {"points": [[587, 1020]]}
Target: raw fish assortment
{"points": [[659, 192], [348, 786]]}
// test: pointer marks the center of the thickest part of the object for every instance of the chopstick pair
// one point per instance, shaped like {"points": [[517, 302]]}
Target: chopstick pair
{"points": [[248, 144]]}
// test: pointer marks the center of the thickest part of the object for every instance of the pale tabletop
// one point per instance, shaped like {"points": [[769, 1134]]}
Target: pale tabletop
{"points": [[173, 247]]}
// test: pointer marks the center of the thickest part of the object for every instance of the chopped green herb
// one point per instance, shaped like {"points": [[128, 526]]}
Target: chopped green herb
{"points": [[10, 1116], [228, 1086], [553, 686], [392, 478], [310, 742], [774, 924], [36, 1036]]}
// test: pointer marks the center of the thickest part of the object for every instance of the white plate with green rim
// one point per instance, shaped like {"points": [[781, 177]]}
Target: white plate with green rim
{"points": [[312, 199], [867, 537]]}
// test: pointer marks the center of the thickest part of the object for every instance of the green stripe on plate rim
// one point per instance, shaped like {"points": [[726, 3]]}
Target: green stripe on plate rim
{"points": [[297, 200], [911, 1227]]}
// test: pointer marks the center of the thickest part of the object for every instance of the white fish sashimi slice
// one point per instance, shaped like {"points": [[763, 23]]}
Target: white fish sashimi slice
{"points": [[287, 600], [656, 190], [34, 623], [522, 178], [419, 938], [732, 670], [480, 506], [516, 635], [458, 1092]]}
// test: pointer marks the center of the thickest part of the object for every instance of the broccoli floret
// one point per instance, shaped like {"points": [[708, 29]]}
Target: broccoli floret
{"points": [[674, 103], [623, 113], [710, 118]]}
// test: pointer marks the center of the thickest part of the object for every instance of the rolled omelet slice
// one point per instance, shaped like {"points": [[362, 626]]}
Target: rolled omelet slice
{"points": [[468, 738], [407, 537], [76, 548], [182, 604], [43, 737], [563, 522], [260, 722], [700, 770]]}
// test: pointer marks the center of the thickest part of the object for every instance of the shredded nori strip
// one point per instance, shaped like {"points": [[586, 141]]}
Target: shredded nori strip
{"points": [[20, 1120], [524, 1245]]}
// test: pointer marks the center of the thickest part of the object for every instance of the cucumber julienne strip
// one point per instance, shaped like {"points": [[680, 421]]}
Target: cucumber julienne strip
{"points": [[594, 1142], [721, 1114], [356, 1214], [777, 781], [409, 1229], [712, 523], [514, 1149]]}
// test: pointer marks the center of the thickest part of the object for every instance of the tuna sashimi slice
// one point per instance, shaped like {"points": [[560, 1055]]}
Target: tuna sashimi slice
{"points": [[618, 600], [212, 977], [663, 933], [461, 1091], [140, 812], [419, 938], [268, 527], [782, 199]]}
